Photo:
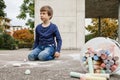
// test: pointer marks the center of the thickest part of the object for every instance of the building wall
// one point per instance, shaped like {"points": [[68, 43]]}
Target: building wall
{"points": [[69, 16]]}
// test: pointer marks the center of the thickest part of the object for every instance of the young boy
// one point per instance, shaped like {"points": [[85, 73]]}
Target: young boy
{"points": [[47, 44]]}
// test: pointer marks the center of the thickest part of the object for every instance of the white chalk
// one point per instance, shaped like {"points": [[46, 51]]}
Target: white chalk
{"points": [[27, 71], [25, 60], [16, 65], [94, 78], [79, 75], [99, 75]]}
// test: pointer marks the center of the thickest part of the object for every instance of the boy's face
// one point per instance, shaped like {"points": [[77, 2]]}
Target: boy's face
{"points": [[44, 16]]}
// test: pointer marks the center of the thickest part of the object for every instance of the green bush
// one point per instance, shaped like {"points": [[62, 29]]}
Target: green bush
{"points": [[89, 36], [7, 42]]}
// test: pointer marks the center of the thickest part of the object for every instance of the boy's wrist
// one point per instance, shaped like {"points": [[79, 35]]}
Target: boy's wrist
{"points": [[57, 52]]}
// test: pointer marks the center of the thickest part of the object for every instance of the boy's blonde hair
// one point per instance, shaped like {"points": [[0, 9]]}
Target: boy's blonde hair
{"points": [[48, 9]]}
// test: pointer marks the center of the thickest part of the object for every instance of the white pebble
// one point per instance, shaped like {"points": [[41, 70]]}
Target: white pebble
{"points": [[27, 72]]}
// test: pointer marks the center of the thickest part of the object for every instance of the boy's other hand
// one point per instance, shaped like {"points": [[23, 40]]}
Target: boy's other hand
{"points": [[57, 55]]}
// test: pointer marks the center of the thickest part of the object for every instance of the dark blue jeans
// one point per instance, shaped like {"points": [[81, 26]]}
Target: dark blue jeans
{"points": [[43, 53]]}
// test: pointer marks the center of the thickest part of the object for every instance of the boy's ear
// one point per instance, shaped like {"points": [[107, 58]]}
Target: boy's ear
{"points": [[50, 17]]}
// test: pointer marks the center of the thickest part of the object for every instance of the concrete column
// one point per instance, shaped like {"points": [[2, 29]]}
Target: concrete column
{"points": [[119, 23], [80, 23]]}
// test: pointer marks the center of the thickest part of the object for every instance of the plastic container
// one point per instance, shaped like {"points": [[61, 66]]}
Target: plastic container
{"points": [[100, 55]]}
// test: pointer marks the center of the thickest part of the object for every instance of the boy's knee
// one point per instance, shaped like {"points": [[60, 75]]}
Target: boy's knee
{"points": [[42, 57], [31, 57]]}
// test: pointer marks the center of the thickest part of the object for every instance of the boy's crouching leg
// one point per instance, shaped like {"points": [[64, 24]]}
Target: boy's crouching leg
{"points": [[44, 56], [34, 54], [31, 57], [47, 54]]}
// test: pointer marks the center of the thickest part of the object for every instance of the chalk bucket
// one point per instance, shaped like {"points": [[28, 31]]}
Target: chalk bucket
{"points": [[101, 55]]}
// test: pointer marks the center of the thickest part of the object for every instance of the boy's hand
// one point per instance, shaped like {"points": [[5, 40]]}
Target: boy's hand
{"points": [[57, 54]]}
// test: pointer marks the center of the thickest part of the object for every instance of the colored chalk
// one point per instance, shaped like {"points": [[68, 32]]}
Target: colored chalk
{"points": [[103, 65], [116, 63], [95, 57], [90, 50], [103, 56], [114, 67], [107, 66], [84, 58], [109, 58], [100, 61], [111, 62], [116, 58], [90, 65], [105, 61], [102, 71], [108, 71], [107, 52]]}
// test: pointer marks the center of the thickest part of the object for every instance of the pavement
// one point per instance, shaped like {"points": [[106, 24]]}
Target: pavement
{"points": [[14, 63]]}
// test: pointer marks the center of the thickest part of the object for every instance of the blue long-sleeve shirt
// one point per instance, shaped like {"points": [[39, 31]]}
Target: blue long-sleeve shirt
{"points": [[47, 36]]}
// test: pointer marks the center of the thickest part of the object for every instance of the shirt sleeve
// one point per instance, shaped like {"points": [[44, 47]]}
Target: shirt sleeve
{"points": [[58, 40], [36, 40]]}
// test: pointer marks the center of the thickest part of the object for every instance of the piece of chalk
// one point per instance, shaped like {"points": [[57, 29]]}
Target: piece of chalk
{"points": [[114, 67], [94, 78], [95, 57], [90, 65], [84, 58], [79, 75], [103, 56], [16, 65], [111, 62], [25, 60], [75, 74], [102, 71], [108, 71], [105, 61], [107, 52], [99, 75], [108, 66], [103, 65], [116, 58], [109, 57], [27, 72]]}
